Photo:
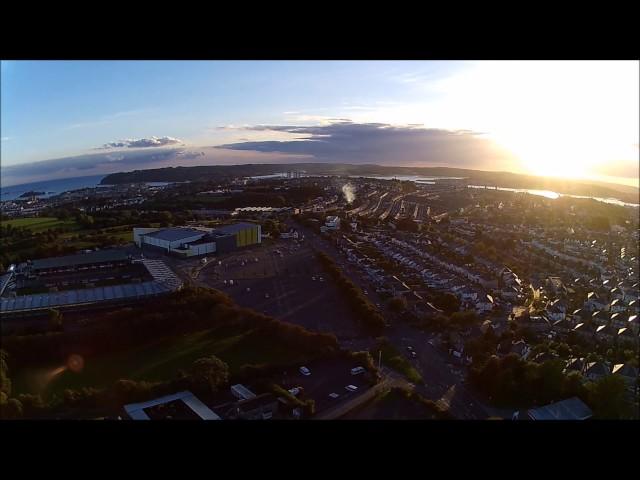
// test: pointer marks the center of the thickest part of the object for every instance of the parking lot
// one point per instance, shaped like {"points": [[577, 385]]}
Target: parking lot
{"points": [[283, 280], [327, 376]]}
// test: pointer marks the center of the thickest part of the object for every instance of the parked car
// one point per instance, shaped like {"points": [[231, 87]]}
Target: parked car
{"points": [[333, 395], [305, 371], [357, 370], [351, 388]]}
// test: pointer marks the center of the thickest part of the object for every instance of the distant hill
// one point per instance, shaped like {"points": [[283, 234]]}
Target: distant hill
{"points": [[476, 177]]}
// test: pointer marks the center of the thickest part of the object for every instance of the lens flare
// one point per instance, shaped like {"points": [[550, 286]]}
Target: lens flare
{"points": [[75, 363]]}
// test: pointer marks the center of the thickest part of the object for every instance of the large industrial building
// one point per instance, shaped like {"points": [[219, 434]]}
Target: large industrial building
{"points": [[191, 242], [83, 281], [83, 261]]}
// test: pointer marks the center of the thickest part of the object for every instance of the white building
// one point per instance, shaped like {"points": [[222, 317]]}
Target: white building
{"points": [[332, 222]]}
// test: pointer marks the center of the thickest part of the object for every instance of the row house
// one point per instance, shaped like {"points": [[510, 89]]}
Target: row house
{"points": [[629, 374]]}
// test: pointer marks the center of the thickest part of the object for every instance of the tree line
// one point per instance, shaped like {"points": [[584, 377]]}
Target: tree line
{"points": [[366, 312]]}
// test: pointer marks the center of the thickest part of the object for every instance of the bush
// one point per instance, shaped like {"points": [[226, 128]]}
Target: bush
{"points": [[10, 409], [393, 358]]}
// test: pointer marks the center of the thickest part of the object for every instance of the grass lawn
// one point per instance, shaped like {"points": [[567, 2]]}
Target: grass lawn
{"points": [[40, 224], [161, 360]]}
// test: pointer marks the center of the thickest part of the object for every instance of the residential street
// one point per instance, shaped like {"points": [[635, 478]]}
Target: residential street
{"points": [[443, 382]]}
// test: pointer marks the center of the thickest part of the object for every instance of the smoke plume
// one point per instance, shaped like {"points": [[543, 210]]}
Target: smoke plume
{"points": [[349, 193]]}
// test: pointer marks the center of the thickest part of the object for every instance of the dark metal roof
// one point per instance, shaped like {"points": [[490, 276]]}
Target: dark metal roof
{"points": [[102, 256], [569, 409], [174, 234], [80, 297]]}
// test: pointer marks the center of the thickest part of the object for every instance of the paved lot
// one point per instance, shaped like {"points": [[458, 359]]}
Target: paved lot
{"points": [[327, 376], [290, 285], [444, 380]]}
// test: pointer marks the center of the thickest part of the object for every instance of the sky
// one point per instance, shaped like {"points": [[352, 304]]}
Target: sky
{"points": [[577, 119]]}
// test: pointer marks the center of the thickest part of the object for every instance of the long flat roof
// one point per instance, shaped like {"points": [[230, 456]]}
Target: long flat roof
{"points": [[102, 256], [175, 234], [42, 301], [136, 410]]}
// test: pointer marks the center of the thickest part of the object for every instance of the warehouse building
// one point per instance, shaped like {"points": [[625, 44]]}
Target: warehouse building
{"points": [[79, 262], [191, 242], [164, 282]]}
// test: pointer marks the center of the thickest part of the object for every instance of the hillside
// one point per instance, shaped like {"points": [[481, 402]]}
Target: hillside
{"points": [[478, 177]]}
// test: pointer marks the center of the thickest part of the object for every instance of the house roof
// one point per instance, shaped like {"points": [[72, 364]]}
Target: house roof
{"points": [[575, 364], [625, 370], [597, 368], [569, 409]]}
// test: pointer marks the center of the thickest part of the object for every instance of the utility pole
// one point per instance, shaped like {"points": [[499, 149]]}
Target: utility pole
{"points": [[379, 359]]}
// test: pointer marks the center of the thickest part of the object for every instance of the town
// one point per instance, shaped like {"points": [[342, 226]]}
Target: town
{"points": [[319, 297]]}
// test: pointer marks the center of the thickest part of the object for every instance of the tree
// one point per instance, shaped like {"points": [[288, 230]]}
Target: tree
{"points": [[10, 409], [398, 304], [607, 397], [55, 319], [209, 373], [5, 381], [447, 302]]}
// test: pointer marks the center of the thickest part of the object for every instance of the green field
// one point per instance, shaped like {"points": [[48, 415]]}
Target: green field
{"points": [[161, 360], [40, 224]]}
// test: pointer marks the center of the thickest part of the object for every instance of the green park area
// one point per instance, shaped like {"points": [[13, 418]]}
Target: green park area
{"points": [[161, 360], [41, 224]]}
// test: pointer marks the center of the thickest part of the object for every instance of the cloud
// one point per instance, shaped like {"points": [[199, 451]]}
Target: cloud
{"points": [[82, 165], [142, 143], [344, 141], [6, 139], [106, 119], [127, 160]]}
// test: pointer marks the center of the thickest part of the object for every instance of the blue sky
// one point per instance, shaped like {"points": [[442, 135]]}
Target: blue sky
{"points": [[539, 113]]}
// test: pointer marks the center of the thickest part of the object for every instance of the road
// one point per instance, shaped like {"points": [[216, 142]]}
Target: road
{"points": [[442, 383], [389, 380]]}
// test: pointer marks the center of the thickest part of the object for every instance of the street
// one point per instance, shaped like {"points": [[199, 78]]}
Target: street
{"points": [[441, 383]]}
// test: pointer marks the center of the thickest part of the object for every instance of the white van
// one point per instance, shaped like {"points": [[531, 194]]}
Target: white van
{"points": [[357, 370]]}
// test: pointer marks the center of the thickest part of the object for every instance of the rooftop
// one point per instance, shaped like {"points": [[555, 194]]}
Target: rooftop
{"points": [[84, 296], [569, 409], [102, 256], [175, 234], [136, 410]]}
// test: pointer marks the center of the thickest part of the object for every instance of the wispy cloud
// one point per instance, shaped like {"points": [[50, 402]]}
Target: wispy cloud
{"points": [[142, 143], [6, 139], [104, 120]]}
